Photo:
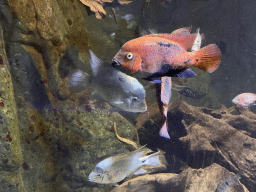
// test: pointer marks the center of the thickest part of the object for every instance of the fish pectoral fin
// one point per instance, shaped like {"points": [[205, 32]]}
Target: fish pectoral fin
{"points": [[140, 171]]}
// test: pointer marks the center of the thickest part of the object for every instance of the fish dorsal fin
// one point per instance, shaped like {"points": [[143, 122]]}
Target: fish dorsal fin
{"points": [[95, 63], [138, 153], [141, 147], [181, 36], [183, 30], [184, 40]]}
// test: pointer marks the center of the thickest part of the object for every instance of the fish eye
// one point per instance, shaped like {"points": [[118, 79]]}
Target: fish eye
{"points": [[134, 99], [129, 56]]}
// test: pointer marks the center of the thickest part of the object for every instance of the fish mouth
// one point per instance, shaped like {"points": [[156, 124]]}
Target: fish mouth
{"points": [[115, 63]]}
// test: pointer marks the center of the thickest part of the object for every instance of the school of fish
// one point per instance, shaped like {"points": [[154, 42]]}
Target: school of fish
{"points": [[228, 183], [156, 58]]}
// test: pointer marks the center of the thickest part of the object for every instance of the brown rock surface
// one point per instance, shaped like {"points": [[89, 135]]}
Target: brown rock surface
{"points": [[201, 136], [203, 180], [41, 148]]}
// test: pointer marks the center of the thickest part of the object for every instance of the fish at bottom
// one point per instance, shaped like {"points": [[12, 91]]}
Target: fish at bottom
{"points": [[116, 168], [225, 185]]}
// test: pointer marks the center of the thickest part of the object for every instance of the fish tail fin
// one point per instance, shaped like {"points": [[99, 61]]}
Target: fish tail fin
{"points": [[140, 172], [78, 81], [208, 58], [164, 131], [152, 159]]}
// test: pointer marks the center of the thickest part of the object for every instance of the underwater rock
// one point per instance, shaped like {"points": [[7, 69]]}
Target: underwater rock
{"points": [[211, 137], [97, 6], [189, 180], [202, 136], [11, 156], [54, 147]]}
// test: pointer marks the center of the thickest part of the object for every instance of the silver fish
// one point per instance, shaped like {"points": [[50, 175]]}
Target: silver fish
{"points": [[111, 85], [128, 17], [115, 168], [225, 185]]}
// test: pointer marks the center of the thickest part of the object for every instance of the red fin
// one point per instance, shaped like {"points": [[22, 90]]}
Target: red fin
{"points": [[181, 36], [207, 58], [184, 40]]}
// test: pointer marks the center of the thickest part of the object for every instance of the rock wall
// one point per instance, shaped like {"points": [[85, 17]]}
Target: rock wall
{"points": [[51, 139]]}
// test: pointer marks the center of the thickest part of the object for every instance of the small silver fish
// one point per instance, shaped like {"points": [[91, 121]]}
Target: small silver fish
{"points": [[115, 168], [111, 85], [131, 23], [225, 185], [128, 17]]}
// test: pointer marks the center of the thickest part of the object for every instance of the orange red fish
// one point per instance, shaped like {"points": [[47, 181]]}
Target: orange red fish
{"points": [[156, 56]]}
